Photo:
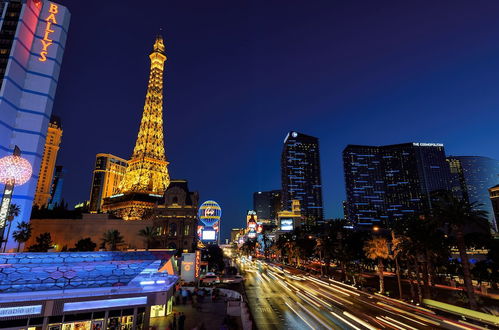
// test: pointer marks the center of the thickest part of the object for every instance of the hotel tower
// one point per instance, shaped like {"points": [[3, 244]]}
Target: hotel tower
{"points": [[32, 40], [146, 177]]}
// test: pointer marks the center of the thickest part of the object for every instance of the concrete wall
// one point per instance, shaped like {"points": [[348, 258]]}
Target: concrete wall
{"points": [[69, 231]]}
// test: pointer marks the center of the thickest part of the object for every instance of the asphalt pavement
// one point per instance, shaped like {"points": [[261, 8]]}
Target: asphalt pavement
{"points": [[283, 298]]}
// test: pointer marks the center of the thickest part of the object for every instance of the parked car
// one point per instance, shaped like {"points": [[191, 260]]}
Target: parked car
{"points": [[210, 279]]}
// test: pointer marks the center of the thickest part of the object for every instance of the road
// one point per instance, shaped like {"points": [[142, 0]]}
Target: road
{"points": [[283, 298]]}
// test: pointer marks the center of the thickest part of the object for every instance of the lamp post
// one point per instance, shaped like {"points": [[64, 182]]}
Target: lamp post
{"points": [[14, 170]]}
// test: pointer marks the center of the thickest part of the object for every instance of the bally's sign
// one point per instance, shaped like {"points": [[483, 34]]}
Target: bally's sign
{"points": [[47, 41]]}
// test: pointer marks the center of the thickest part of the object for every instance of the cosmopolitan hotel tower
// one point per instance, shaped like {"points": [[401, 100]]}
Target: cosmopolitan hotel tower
{"points": [[32, 39], [301, 176], [388, 183]]}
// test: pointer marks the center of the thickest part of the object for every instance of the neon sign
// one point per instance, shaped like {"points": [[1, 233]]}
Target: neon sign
{"points": [[197, 264], [46, 41], [187, 265]]}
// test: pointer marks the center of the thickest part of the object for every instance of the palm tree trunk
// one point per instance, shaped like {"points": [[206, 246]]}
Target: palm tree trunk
{"points": [[411, 284], [418, 280], [381, 276], [431, 273], [397, 269], [18, 246], [426, 283], [468, 285]]}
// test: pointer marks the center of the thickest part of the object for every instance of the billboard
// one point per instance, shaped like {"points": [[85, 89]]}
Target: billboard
{"points": [[209, 235], [287, 224], [209, 214], [188, 267]]}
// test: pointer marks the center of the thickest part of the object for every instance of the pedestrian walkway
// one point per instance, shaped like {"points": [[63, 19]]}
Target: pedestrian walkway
{"points": [[209, 315]]}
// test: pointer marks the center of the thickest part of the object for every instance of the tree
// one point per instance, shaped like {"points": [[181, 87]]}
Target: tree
{"points": [[456, 214], [43, 243], [14, 211], [215, 257], [149, 235], [84, 245], [112, 238], [22, 234], [248, 247], [397, 245], [377, 249]]}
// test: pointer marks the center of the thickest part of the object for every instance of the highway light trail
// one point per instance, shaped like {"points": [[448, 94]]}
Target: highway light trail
{"points": [[306, 301]]}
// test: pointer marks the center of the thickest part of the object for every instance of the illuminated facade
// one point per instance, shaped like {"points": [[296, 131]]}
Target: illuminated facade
{"points": [[301, 176], [108, 174], [175, 220], [146, 177], [288, 220], [32, 41], [388, 183], [47, 167], [86, 290]]}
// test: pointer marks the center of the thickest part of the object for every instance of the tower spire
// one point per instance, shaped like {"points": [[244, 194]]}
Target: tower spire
{"points": [[147, 170]]}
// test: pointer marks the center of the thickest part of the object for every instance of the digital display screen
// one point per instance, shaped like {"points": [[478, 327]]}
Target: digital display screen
{"points": [[287, 224], [209, 235]]}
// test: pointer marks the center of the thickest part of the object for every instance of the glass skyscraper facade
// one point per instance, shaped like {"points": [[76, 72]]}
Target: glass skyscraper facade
{"points": [[475, 175], [301, 176], [388, 183], [266, 204], [56, 189], [32, 40]]}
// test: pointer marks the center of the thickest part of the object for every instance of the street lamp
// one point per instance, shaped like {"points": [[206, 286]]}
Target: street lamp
{"points": [[14, 170]]}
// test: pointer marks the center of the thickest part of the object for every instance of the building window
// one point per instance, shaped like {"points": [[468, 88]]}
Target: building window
{"points": [[186, 230], [173, 229]]}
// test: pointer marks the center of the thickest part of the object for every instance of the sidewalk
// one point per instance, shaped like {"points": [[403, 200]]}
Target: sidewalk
{"points": [[210, 314]]}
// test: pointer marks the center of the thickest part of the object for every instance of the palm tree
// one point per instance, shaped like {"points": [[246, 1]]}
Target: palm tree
{"points": [[377, 248], [455, 214], [22, 234], [14, 211], [397, 245], [149, 235], [113, 238]]}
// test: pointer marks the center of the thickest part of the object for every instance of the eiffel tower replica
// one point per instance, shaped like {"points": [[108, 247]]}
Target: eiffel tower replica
{"points": [[146, 177]]}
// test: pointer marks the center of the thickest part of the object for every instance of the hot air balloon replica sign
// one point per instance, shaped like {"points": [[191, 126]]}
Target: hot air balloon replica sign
{"points": [[209, 215]]}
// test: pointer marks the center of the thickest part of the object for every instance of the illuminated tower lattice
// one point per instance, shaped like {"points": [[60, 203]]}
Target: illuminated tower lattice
{"points": [[146, 176], [147, 170]]}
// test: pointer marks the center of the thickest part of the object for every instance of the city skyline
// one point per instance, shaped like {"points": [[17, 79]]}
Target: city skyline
{"points": [[344, 147], [451, 74]]}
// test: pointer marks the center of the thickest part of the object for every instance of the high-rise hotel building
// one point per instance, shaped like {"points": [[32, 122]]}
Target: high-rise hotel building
{"points": [[473, 176], [32, 40], [387, 183], [266, 204], [301, 176], [108, 173], [47, 167]]}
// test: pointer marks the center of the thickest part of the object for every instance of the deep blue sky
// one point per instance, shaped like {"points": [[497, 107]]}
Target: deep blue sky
{"points": [[241, 74]]}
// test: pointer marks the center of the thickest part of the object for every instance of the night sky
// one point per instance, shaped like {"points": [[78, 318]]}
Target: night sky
{"points": [[241, 74]]}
